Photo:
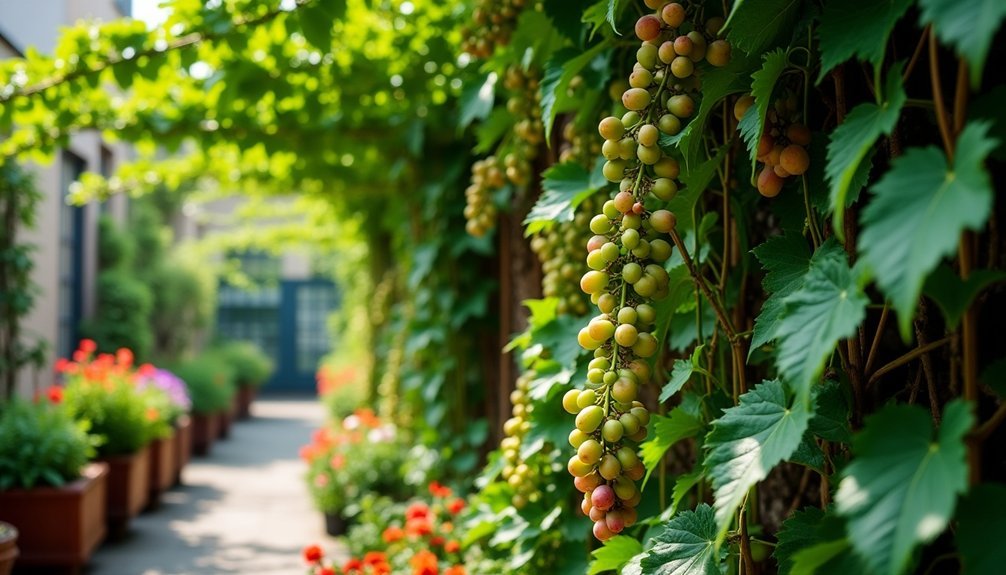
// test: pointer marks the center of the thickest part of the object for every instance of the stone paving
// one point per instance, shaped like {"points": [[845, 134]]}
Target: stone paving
{"points": [[241, 509]]}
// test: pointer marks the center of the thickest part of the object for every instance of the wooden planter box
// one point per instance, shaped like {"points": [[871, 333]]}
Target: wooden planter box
{"points": [[183, 446], [162, 468], [128, 488], [59, 526], [226, 419], [204, 432], [246, 395]]}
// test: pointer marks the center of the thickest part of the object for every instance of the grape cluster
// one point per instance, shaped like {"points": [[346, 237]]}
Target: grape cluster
{"points": [[558, 251], [528, 132], [624, 258], [783, 145], [578, 146], [522, 476], [480, 211], [492, 24]]}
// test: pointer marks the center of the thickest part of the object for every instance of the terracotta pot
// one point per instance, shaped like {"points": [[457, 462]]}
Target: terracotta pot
{"points": [[162, 469], [336, 524], [8, 547], [128, 488], [59, 526], [183, 446], [246, 395], [225, 418], [204, 432]]}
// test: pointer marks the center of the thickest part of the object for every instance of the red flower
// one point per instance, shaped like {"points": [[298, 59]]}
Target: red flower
{"points": [[55, 394], [392, 534], [375, 558], [455, 570], [146, 370], [438, 490], [437, 541], [326, 571], [456, 505], [79, 356], [62, 364], [88, 346], [124, 357], [452, 546], [424, 563], [353, 565], [417, 510], [418, 526], [313, 554]]}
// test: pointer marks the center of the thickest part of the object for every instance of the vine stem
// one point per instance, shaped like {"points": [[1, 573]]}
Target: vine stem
{"points": [[986, 429], [906, 358], [876, 338]]}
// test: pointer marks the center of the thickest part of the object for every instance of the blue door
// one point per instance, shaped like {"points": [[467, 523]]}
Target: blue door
{"points": [[305, 306]]}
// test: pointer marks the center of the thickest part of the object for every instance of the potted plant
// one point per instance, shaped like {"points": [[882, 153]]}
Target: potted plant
{"points": [[209, 381], [44, 474], [168, 394], [122, 418], [251, 370]]}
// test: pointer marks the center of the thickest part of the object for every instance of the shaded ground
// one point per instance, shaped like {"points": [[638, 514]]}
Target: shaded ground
{"points": [[242, 509]]}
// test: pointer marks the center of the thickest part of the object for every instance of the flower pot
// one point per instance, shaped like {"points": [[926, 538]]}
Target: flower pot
{"points": [[128, 488], [59, 527], [246, 395], [162, 469], [204, 432], [8, 547], [225, 418], [183, 446], [335, 524]]}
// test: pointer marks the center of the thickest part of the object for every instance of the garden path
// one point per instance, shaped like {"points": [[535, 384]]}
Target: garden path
{"points": [[242, 509]]}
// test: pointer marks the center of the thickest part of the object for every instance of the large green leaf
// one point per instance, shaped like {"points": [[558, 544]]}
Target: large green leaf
{"points": [[687, 546], [681, 372], [798, 532], [953, 295], [853, 140], [615, 553], [980, 532], [762, 84], [785, 260], [812, 541], [748, 441], [564, 187], [919, 209], [666, 431], [476, 100], [762, 22], [831, 413], [967, 25], [560, 70], [857, 28], [828, 307], [901, 487]]}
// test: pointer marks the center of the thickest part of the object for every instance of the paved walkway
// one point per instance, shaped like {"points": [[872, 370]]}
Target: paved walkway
{"points": [[242, 509]]}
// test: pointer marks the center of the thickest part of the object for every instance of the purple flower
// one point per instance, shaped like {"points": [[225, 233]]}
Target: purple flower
{"points": [[171, 384]]}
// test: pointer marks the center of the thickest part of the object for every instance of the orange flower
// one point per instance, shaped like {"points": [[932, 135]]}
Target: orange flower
{"points": [[455, 570], [439, 490], [456, 505], [417, 510], [88, 345], [418, 526], [152, 414], [392, 534], [452, 546], [313, 554], [327, 571], [374, 558], [55, 394], [424, 563], [353, 566], [62, 365], [124, 357]]}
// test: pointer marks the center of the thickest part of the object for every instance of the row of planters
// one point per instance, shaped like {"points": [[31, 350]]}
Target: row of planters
{"points": [[102, 444]]}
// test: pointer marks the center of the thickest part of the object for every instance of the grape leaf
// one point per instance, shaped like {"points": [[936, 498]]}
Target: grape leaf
{"points": [[798, 532], [762, 22], [831, 413], [687, 546], [682, 486], [762, 84], [854, 139], [560, 70], [492, 129], [967, 25], [953, 295], [666, 431], [812, 541], [476, 101], [680, 374], [748, 441], [857, 28], [615, 553], [901, 487], [825, 309], [564, 187], [977, 527], [919, 209], [785, 260]]}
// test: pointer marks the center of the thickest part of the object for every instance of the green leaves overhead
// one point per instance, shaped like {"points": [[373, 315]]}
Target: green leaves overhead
{"points": [[857, 28], [967, 25], [615, 553], [762, 84], [687, 546], [919, 209], [901, 488], [980, 533], [786, 260], [748, 441], [853, 139], [754, 25], [827, 308]]}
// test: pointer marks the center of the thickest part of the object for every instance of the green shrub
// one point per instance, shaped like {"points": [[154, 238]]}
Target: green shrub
{"points": [[115, 248], [117, 413], [184, 303], [41, 445], [123, 315], [251, 366], [210, 380]]}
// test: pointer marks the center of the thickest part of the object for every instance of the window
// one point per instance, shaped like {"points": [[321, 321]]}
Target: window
{"points": [[71, 260]]}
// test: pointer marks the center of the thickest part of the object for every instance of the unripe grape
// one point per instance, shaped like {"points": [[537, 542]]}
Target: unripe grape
{"points": [[590, 451], [666, 52], [681, 105], [601, 531], [698, 46], [664, 189], [626, 334], [627, 315], [645, 286], [595, 375], [578, 468], [599, 363], [673, 14], [595, 242], [630, 238], [742, 105], [603, 497], [585, 341], [627, 457], [609, 468], [632, 272], [647, 27], [625, 488], [631, 221], [626, 149], [596, 261], [633, 501], [589, 419], [586, 397], [629, 515], [596, 514], [654, 4], [798, 134], [615, 521], [594, 281], [657, 273], [714, 25], [635, 473], [660, 250], [773, 156], [663, 221], [601, 330], [781, 171], [611, 128], [606, 303], [623, 202], [569, 401], [613, 170], [641, 78], [794, 159], [765, 145], [646, 345], [642, 414], [769, 184], [642, 251], [577, 437], [630, 118], [636, 99], [683, 46], [629, 423], [612, 431], [609, 251], [648, 135], [718, 53], [641, 370], [610, 149], [682, 67], [585, 484], [610, 377], [624, 390], [648, 156]]}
